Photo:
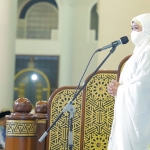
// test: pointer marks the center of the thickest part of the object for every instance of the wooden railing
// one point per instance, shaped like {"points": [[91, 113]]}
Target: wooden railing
{"points": [[91, 123], [23, 128]]}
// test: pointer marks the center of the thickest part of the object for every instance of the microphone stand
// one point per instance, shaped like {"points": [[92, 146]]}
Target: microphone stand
{"points": [[70, 108]]}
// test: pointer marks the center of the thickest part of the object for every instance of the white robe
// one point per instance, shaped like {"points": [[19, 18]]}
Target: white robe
{"points": [[131, 124]]}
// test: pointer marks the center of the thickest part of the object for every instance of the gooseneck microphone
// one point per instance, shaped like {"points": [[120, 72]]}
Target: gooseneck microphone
{"points": [[123, 40]]}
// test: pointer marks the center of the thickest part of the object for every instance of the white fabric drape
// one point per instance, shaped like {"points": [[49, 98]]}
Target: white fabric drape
{"points": [[131, 124]]}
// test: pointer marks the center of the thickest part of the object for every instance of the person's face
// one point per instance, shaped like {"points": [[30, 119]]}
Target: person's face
{"points": [[136, 27]]}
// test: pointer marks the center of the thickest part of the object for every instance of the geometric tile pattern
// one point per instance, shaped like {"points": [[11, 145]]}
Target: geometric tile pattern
{"points": [[58, 135], [98, 112], [21, 128]]}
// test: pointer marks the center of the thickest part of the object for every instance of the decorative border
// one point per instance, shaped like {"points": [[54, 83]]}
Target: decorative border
{"points": [[42, 121], [21, 128]]}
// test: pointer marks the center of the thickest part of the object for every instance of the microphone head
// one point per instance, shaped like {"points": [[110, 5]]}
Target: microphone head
{"points": [[124, 40]]}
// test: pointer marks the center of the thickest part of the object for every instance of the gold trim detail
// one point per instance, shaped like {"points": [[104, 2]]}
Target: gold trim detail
{"points": [[21, 128], [42, 121]]}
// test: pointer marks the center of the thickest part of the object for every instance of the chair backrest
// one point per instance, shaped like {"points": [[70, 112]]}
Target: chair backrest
{"points": [[58, 135], [97, 112], [93, 116], [89, 124]]}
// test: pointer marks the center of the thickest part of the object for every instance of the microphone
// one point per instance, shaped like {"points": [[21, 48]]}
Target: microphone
{"points": [[123, 40]]}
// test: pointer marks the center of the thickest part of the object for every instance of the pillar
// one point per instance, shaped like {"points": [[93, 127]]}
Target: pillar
{"points": [[21, 127], [41, 114], [8, 15], [66, 28]]}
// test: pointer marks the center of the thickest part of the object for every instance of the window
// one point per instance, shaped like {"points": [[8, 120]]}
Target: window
{"points": [[94, 20], [40, 19]]}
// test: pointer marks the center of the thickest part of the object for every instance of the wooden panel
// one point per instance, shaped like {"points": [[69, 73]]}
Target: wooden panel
{"points": [[21, 134], [41, 114], [21, 143], [58, 135], [97, 112], [21, 127], [92, 122], [41, 126]]}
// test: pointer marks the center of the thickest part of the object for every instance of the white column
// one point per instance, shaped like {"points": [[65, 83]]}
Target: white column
{"points": [[66, 29], [84, 44], [8, 15]]}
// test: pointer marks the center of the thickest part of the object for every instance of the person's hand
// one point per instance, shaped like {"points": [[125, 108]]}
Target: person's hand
{"points": [[113, 87]]}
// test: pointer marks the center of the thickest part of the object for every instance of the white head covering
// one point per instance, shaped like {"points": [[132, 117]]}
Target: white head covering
{"points": [[144, 21]]}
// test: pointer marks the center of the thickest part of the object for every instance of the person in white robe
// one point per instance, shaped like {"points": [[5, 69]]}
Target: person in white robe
{"points": [[131, 124]]}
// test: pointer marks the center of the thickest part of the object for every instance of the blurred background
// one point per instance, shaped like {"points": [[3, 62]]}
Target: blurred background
{"points": [[47, 44]]}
